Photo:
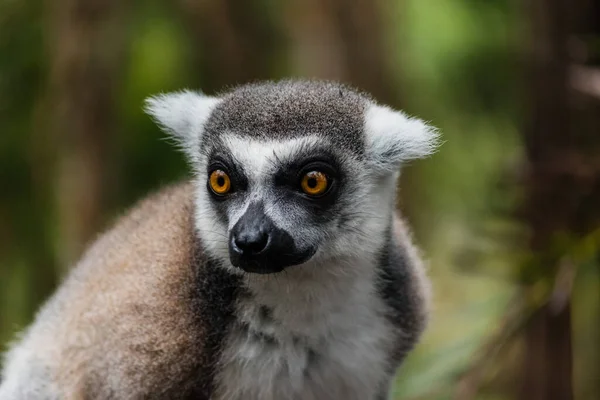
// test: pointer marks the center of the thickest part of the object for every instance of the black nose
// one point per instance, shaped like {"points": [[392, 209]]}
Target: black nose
{"points": [[251, 242], [257, 245]]}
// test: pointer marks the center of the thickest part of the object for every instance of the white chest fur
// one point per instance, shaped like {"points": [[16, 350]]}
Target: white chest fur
{"points": [[297, 339]]}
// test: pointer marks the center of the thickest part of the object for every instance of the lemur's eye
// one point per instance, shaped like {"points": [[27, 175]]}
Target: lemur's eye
{"points": [[220, 182], [314, 183]]}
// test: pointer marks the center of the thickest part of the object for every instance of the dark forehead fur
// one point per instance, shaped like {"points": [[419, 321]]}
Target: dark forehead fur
{"points": [[290, 109]]}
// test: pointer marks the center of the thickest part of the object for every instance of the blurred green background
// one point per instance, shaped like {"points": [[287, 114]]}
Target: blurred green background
{"points": [[507, 213]]}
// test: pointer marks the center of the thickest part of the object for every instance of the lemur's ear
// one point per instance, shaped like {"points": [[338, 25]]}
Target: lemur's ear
{"points": [[392, 137], [182, 115]]}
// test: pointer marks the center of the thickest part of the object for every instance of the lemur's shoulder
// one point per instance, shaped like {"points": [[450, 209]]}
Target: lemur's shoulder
{"points": [[159, 226], [125, 314], [411, 255], [404, 287], [152, 241]]}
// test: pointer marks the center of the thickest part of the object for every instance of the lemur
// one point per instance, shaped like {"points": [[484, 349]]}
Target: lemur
{"points": [[280, 270]]}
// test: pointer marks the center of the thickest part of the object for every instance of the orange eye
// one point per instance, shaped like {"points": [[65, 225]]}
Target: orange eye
{"points": [[219, 182], [314, 183]]}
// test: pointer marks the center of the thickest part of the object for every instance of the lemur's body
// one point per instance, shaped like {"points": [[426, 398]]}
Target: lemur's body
{"points": [[162, 306]]}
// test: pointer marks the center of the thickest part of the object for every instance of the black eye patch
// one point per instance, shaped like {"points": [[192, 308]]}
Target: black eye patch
{"points": [[289, 174], [222, 161]]}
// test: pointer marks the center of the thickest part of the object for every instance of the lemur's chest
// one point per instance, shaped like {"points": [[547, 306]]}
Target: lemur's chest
{"points": [[335, 347]]}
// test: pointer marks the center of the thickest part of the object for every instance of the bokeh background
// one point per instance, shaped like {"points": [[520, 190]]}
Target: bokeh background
{"points": [[507, 213]]}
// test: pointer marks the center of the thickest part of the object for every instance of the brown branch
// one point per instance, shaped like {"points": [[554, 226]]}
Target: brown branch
{"points": [[510, 327], [516, 320], [585, 80]]}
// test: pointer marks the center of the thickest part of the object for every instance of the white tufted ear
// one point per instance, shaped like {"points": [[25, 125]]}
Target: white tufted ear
{"points": [[392, 137], [182, 115]]}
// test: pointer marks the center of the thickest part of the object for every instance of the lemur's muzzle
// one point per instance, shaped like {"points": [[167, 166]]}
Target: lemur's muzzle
{"points": [[257, 245]]}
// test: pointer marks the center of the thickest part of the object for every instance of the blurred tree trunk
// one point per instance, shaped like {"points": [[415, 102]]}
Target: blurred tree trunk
{"points": [[364, 31], [331, 39], [346, 41], [85, 43], [237, 41], [562, 194]]}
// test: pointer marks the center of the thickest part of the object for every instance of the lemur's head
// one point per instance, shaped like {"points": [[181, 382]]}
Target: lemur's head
{"points": [[293, 172]]}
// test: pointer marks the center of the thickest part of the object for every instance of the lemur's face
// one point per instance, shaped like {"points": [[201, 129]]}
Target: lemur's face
{"points": [[272, 204], [291, 173]]}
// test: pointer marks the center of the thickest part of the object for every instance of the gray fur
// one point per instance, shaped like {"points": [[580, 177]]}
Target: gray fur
{"points": [[291, 109], [155, 308]]}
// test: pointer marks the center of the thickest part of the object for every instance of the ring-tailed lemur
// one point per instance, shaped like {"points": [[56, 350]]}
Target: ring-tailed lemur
{"points": [[280, 271]]}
